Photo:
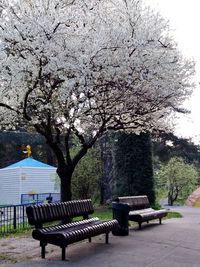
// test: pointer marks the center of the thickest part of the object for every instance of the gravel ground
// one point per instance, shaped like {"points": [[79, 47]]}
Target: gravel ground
{"points": [[18, 249], [22, 249]]}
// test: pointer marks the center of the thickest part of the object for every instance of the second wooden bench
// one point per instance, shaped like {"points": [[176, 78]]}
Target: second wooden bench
{"points": [[135, 208]]}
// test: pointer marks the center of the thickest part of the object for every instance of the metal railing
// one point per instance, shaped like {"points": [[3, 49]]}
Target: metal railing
{"points": [[12, 218]]}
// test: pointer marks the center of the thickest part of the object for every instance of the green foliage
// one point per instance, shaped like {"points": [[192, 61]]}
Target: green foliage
{"points": [[87, 175], [177, 179], [133, 171], [168, 145], [156, 206]]}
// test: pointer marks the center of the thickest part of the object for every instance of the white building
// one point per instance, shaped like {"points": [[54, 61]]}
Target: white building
{"points": [[27, 176]]}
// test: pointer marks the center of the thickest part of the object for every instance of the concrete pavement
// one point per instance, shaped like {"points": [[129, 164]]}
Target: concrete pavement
{"points": [[175, 243]]}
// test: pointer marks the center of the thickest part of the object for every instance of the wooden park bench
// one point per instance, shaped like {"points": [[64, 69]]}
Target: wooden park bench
{"points": [[63, 234], [135, 208]]}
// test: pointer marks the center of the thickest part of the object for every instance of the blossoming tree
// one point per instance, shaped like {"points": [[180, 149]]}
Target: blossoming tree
{"points": [[81, 68]]}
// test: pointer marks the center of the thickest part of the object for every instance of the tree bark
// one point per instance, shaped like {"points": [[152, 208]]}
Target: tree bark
{"points": [[170, 200], [65, 175]]}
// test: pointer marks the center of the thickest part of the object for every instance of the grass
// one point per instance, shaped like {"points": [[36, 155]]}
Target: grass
{"points": [[106, 214], [173, 214], [16, 232], [4, 257], [103, 213]]}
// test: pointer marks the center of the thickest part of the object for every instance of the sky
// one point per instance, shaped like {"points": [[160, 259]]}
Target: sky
{"points": [[184, 19]]}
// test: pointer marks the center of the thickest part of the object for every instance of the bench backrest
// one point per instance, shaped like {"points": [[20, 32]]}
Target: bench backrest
{"points": [[42, 213], [135, 202]]}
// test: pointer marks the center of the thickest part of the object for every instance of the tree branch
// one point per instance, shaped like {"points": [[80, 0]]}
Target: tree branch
{"points": [[68, 156], [9, 107], [30, 91]]}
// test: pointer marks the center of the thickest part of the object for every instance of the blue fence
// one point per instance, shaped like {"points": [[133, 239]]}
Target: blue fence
{"points": [[40, 198]]}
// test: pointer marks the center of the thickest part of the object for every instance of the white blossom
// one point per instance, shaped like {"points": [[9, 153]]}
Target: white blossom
{"points": [[88, 66]]}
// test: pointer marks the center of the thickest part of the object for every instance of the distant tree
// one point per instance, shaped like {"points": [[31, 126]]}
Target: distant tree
{"points": [[133, 170], [87, 176], [106, 180], [13, 143], [177, 179], [79, 68], [168, 145]]}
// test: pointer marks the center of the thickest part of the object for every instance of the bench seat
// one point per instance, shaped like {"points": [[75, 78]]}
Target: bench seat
{"points": [[63, 235], [145, 216], [135, 212]]}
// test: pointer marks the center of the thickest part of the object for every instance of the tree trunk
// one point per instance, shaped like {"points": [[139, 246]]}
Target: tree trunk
{"points": [[65, 175], [101, 192], [49, 155], [170, 200]]}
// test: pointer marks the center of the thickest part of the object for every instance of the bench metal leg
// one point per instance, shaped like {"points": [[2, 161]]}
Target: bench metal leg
{"points": [[107, 237], [160, 220], [63, 253], [140, 225], [43, 245], [90, 239]]}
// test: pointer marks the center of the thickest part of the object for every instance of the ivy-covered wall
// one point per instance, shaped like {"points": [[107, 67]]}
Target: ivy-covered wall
{"points": [[132, 165]]}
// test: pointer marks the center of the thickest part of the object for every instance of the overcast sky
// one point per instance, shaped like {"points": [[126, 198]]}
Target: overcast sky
{"points": [[184, 17]]}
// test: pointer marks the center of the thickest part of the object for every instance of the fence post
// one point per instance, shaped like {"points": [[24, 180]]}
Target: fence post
{"points": [[15, 218], [23, 208]]}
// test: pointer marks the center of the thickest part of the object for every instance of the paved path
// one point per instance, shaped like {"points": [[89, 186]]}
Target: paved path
{"points": [[175, 243]]}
